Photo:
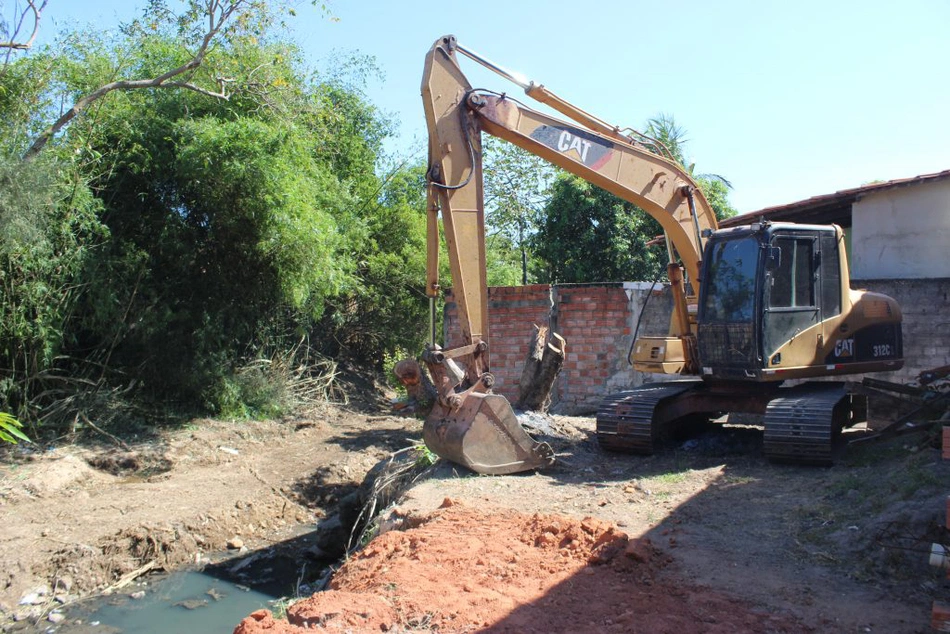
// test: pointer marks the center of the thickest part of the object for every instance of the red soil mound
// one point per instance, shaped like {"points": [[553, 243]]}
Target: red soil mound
{"points": [[463, 570]]}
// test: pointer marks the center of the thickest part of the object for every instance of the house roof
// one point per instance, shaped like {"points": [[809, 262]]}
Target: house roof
{"points": [[828, 208]]}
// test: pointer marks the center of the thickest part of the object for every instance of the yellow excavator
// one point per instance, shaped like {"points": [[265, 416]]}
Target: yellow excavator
{"points": [[754, 307]]}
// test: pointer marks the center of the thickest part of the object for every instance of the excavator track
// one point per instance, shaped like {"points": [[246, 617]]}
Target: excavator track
{"points": [[804, 425], [628, 421]]}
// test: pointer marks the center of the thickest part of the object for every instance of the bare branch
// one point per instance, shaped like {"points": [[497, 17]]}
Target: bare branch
{"points": [[217, 15], [34, 9], [198, 89]]}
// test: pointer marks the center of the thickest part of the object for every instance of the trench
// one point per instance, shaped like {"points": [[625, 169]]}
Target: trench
{"points": [[217, 595]]}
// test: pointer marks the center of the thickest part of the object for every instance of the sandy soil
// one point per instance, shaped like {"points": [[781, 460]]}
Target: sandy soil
{"points": [[704, 536]]}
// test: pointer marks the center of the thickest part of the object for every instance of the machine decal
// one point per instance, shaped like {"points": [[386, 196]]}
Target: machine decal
{"points": [[583, 146], [872, 343], [844, 347]]}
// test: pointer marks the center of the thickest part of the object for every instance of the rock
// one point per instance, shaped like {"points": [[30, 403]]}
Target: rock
{"points": [[215, 594], [36, 596], [235, 543], [63, 583], [192, 604], [138, 595], [332, 536], [56, 617], [26, 615], [315, 552]]}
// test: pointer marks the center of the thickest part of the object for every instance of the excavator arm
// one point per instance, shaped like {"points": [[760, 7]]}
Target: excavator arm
{"points": [[629, 167], [456, 116]]}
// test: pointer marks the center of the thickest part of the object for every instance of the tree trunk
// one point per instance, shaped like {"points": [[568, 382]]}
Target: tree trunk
{"points": [[422, 393], [541, 367]]}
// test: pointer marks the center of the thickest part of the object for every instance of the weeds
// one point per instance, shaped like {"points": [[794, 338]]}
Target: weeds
{"points": [[674, 477]]}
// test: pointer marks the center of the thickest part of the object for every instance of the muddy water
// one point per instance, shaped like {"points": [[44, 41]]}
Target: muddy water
{"points": [[181, 602]]}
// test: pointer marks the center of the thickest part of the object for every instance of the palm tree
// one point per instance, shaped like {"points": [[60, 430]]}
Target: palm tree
{"points": [[663, 128]]}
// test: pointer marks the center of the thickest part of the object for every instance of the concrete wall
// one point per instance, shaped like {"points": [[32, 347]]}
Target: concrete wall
{"points": [[902, 233], [926, 308], [597, 321]]}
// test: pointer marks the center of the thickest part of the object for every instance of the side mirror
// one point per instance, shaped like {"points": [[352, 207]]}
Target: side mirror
{"points": [[773, 260]]}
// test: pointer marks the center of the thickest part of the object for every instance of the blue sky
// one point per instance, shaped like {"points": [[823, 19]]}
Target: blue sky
{"points": [[786, 100]]}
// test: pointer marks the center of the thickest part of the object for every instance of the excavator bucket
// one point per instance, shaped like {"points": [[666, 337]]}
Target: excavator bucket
{"points": [[484, 435]]}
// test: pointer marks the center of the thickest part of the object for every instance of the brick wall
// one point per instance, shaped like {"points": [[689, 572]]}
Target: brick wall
{"points": [[597, 320], [511, 312]]}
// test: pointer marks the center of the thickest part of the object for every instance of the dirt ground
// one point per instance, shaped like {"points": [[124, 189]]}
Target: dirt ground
{"points": [[705, 536]]}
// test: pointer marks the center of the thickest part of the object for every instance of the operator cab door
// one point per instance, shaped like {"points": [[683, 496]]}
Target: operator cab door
{"points": [[792, 297]]}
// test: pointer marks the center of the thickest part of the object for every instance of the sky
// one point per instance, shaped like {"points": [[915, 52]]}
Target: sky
{"points": [[786, 100]]}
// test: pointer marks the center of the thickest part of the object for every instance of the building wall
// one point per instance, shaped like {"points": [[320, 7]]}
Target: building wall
{"points": [[925, 304], [596, 320], [902, 233]]}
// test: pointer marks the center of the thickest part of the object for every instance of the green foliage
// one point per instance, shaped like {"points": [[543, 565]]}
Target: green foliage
{"points": [[10, 429], [183, 243], [504, 261], [717, 194], [48, 232], [590, 235], [425, 457], [385, 311]]}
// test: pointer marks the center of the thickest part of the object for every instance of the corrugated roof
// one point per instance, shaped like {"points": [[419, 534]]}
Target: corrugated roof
{"points": [[828, 208]]}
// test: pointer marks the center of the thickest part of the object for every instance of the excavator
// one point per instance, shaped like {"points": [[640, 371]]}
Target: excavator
{"points": [[758, 310]]}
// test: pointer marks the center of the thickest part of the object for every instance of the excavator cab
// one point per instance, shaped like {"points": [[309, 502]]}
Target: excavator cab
{"points": [[775, 304]]}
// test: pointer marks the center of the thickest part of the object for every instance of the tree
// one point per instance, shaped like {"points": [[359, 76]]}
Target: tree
{"points": [[517, 185], [20, 33], [383, 313], [207, 228], [590, 235], [200, 25]]}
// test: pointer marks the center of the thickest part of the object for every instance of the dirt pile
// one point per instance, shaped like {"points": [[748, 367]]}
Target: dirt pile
{"points": [[460, 569]]}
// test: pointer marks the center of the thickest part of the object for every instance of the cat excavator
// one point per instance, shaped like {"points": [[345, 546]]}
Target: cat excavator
{"points": [[757, 309]]}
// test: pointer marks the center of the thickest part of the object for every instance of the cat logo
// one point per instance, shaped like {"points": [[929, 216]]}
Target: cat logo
{"points": [[844, 347], [567, 142], [581, 145]]}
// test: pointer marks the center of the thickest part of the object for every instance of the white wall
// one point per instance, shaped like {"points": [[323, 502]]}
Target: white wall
{"points": [[902, 233]]}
